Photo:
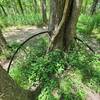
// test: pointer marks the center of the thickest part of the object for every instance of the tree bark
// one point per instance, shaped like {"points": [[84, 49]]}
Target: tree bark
{"points": [[92, 12], [21, 7], [35, 5], [3, 9], [84, 8], [9, 90], [3, 43], [93, 7], [67, 16], [53, 16], [43, 7]]}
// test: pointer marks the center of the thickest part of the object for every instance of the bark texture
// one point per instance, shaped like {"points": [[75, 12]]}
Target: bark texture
{"points": [[3, 9], [53, 15], [3, 43], [43, 6], [21, 7], [67, 16], [9, 90], [93, 7], [35, 6]]}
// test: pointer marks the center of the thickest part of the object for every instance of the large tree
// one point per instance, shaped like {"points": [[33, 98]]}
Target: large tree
{"points": [[65, 20]]}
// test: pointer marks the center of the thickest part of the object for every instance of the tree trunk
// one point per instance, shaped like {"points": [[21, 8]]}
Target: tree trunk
{"points": [[92, 12], [9, 90], [84, 8], [43, 6], [35, 5], [53, 16], [93, 7], [3, 43], [3, 10], [21, 7], [67, 16]]}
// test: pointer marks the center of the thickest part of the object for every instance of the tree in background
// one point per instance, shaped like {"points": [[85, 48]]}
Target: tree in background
{"points": [[43, 7], [92, 12], [35, 5], [93, 7], [3, 9], [3, 43], [21, 7]]}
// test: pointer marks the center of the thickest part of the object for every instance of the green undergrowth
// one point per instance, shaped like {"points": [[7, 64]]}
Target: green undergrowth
{"points": [[20, 20], [89, 26], [11, 48], [64, 75]]}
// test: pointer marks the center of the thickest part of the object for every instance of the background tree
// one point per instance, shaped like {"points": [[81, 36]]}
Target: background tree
{"points": [[93, 7], [3, 9], [3, 43], [21, 7], [43, 7], [35, 5], [92, 12]]}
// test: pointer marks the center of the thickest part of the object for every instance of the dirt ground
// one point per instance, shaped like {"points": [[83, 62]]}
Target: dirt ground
{"points": [[16, 34]]}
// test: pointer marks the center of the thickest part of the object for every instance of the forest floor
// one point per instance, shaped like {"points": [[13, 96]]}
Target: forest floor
{"points": [[18, 35], [15, 34]]}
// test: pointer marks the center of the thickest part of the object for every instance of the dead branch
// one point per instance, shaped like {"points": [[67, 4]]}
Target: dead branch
{"points": [[76, 38], [21, 45]]}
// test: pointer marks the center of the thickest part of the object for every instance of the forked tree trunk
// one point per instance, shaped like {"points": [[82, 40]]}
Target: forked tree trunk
{"points": [[67, 16]]}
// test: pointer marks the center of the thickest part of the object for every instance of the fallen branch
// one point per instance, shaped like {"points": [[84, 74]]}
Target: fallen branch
{"points": [[20, 46], [76, 38]]}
